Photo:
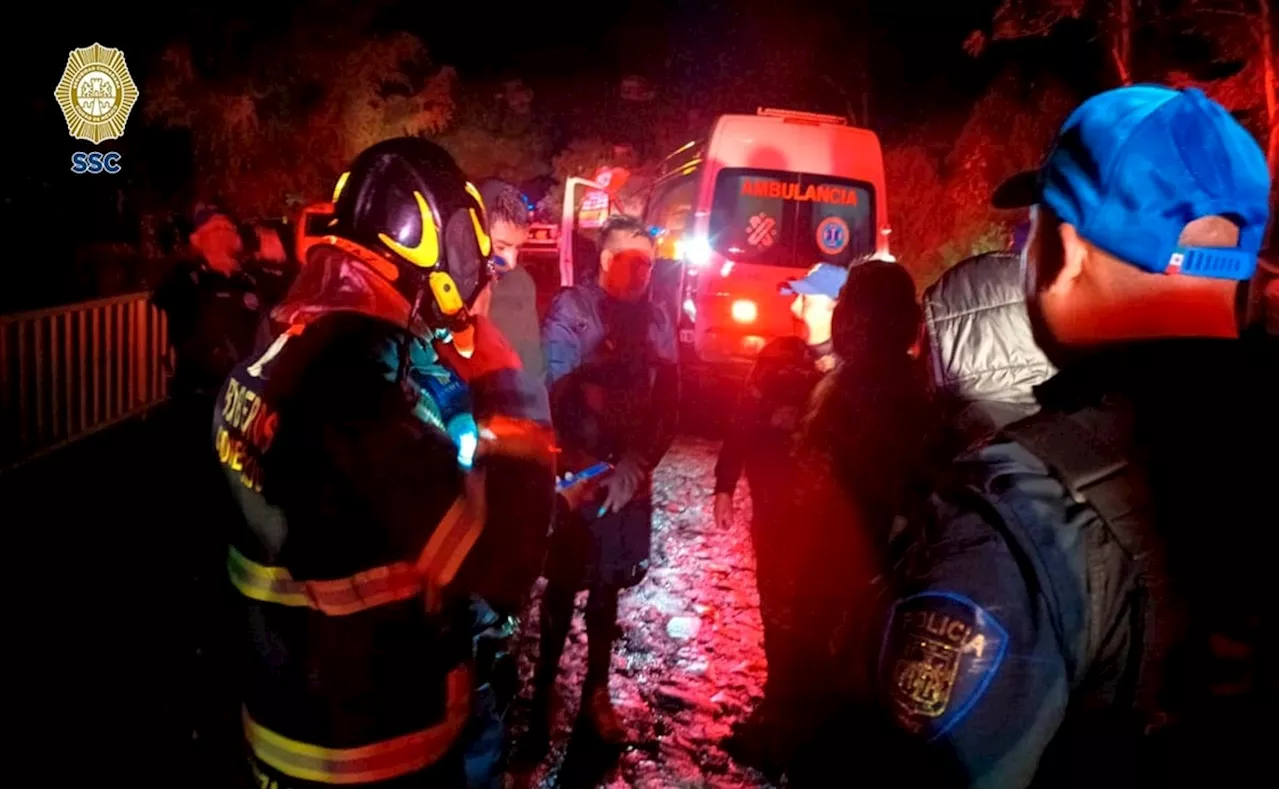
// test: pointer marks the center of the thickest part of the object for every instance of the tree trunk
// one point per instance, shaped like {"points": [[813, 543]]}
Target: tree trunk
{"points": [[1269, 82]]}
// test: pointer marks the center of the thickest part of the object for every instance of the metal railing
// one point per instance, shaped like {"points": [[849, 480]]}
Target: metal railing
{"points": [[68, 371]]}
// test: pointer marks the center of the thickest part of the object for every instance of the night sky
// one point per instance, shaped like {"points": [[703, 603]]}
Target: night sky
{"points": [[913, 48], [712, 57]]}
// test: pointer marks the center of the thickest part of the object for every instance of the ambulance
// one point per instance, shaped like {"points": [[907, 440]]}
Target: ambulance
{"points": [[761, 200]]}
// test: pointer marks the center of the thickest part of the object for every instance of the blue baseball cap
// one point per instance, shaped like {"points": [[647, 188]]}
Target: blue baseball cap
{"points": [[823, 279], [1132, 167]]}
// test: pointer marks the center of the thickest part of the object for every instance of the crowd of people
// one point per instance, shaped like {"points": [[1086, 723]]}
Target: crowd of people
{"points": [[1008, 534]]}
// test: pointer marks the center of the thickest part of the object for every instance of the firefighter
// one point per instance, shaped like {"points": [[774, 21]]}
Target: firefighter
{"points": [[366, 540]]}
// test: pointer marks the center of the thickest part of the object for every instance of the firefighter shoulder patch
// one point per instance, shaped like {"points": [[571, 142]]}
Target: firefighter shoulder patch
{"points": [[940, 652]]}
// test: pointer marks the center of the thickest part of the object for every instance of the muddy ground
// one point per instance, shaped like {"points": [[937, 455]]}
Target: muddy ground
{"points": [[689, 661]]}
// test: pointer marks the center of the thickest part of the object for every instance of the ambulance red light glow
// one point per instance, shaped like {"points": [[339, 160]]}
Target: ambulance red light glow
{"points": [[744, 311]]}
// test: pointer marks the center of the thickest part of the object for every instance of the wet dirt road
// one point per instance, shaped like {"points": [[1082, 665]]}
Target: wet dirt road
{"points": [[689, 661]]}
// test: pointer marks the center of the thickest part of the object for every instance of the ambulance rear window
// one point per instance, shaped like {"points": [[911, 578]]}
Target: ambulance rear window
{"points": [[779, 218]]}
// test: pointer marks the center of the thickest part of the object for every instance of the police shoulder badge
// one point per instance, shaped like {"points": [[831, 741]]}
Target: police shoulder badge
{"points": [[96, 93], [940, 652]]}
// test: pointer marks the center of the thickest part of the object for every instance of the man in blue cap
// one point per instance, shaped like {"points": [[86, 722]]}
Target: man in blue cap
{"points": [[816, 293], [1060, 605], [759, 442]]}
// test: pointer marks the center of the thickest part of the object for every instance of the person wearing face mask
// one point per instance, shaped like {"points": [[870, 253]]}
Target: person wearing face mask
{"points": [[1082, 601], [511, 301], [611, 368]]}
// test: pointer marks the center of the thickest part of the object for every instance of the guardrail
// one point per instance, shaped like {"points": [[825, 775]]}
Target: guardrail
{"points": [[68, 371]]}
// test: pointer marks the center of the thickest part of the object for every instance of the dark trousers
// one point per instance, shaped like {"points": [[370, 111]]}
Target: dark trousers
{"points": [[556, 616], [603, 555], [798, 621], [776, 589], [485, 740]]}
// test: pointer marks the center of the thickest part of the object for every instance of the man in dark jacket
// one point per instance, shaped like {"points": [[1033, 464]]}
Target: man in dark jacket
{"points": [[213, 307], [760, 440], [1055, 612], [611, 365], [513, 297], [369, 527]]}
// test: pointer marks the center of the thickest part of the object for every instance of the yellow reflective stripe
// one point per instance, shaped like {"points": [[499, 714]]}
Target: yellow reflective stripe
{"points": [[262, 583], [339, 597], [452, 540], [377, 761]]}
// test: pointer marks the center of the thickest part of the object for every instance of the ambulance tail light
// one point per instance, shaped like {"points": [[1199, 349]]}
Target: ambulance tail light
{"points": [[744, 311]]}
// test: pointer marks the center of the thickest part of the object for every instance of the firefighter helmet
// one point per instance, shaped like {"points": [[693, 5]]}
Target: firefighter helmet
{"points": [[406, 210]]}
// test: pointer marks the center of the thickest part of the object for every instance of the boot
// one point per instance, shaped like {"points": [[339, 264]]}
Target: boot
{"points": [[598, 710], [755, 742]]}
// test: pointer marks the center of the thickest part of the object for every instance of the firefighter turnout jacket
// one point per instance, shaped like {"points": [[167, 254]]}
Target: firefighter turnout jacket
{"points": [[353, 555]]}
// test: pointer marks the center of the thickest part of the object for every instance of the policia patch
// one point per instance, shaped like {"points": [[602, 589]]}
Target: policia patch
{"points": [[940, 652]]}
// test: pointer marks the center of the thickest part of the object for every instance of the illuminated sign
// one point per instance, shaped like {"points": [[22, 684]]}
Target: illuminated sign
{"points": [[594, 210], [816, 193], [543, 235]]}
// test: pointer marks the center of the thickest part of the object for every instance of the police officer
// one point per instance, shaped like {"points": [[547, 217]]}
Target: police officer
{"points": [[212, 305], [1053, 617], [367, 541]]}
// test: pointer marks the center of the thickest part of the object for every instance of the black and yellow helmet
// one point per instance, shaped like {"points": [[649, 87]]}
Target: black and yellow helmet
{"points": [[406, 210]]}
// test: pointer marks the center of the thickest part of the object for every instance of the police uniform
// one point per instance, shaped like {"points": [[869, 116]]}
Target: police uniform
{"points": [[212, 323], [1055, 606], [365, 543]]}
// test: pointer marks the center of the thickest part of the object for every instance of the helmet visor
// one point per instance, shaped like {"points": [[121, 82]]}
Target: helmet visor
{"points": [[469, 268]]}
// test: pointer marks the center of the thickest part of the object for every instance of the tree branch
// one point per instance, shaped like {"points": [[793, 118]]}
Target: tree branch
{"points": [[1122, 70]]}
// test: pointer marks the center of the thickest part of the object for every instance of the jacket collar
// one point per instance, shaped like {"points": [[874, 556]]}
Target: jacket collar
{"points": [[333, 281]]}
